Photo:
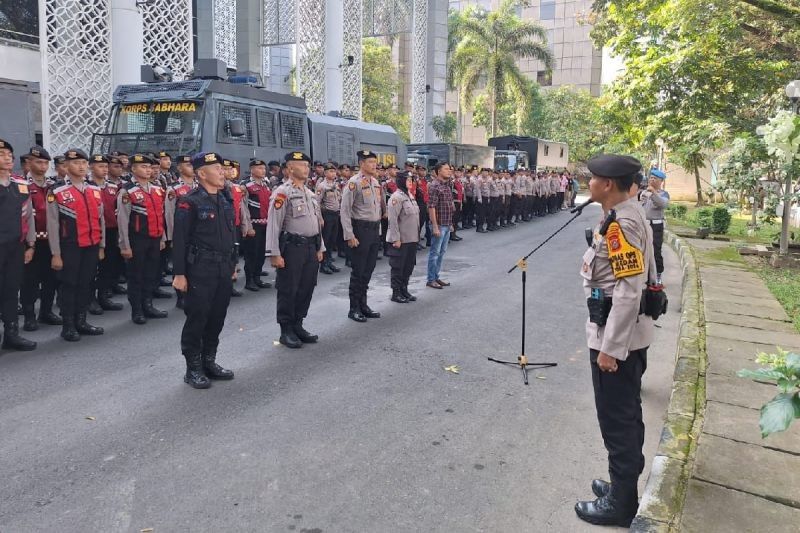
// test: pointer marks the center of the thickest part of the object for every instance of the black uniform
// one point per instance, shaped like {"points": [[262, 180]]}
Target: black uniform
{"points": [[204, 251]]}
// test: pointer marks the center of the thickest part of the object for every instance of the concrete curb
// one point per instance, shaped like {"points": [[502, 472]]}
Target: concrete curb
{"points": [[662, 502]]}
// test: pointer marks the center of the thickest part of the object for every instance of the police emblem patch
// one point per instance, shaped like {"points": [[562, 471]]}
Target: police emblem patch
{"points": [[279, 200], [351, 186], [51, 197], [23, 189]]}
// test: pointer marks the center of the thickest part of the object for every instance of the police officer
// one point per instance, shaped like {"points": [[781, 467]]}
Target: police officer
{"points": [[204, 262], [615, 271], [39, 280], [184, 184], [140, 218], [329, 196], [258, 195], [402, 237], [166, 176], [76, 231], [295, 248], [655, 199], [361, 212], [17, 239], [236, 194], [109, 266]]}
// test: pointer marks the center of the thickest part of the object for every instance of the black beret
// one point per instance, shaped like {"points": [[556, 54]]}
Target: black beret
{"points": [[273, 164], [317, 163], [39, 153], [296, 156], [235, 164], [142, 158], [58, 159], [164, 154], [329, 166], [227, 163], [185, 159], [23, 158], [393, 166], [366, 154], [613, 166], [257, 162], [119, 153], [6, 145], [98, 158], [344, 166], [74, 154], [474, 167], [205, 158], [114, 160]]}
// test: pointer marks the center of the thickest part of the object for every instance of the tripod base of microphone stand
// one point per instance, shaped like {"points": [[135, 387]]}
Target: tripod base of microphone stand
{"points": [[523, 363]]}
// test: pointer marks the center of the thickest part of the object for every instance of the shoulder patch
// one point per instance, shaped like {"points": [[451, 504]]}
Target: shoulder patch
{"points": [[171, 194], [280, 198], [626, 260], [51, 197], [22, 188], [351, 186]]}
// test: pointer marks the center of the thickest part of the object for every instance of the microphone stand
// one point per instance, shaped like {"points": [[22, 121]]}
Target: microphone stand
{"points": [[522, 264]]}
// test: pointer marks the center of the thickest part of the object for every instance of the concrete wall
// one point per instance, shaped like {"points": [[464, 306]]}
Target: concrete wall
{"points": [[21, 62]]}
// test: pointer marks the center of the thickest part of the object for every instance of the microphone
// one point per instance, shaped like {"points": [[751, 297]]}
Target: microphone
{"points": [[579, 208]]}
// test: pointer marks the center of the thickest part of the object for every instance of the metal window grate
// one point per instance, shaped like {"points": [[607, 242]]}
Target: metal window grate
{"points": [[341, 147], [229, 112], [292, 131], [267, 135], [179, 90]]}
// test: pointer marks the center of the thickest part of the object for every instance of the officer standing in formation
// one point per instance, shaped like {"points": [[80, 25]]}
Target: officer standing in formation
{"points": [[402, 236], [295, 248], [655, 199], [140, 218], [17, 241], [615, 272], [76, 230], [361, 212], [204, 266], [184, 184], [258, 195], [329, 196]]}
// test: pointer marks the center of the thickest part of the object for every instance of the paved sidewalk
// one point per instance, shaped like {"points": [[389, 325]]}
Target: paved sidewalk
{"points": [[740, 482]]}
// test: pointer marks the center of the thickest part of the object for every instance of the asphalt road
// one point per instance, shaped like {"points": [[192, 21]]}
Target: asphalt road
{"points": [[365, 431]]}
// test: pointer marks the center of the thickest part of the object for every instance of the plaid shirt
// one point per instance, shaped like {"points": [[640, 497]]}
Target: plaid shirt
{"points": [[441, 199]]}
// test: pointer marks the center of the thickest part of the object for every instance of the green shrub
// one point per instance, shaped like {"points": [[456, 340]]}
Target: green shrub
{"points": [[677, 211], [720, 220], [703, 217]]}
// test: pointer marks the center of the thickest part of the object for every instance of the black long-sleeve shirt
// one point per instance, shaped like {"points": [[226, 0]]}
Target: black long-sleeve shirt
{"points": [[203, 222]]}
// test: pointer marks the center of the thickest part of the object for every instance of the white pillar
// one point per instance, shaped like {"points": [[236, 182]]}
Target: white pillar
{"points": [[127, 44], [248, 36], [334, 54]]}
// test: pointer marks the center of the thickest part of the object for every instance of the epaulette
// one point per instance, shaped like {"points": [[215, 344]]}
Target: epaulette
{"points": [[62, 187]]}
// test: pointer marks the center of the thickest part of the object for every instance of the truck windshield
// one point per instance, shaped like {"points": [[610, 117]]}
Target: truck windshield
{"points": [[174, 127]]}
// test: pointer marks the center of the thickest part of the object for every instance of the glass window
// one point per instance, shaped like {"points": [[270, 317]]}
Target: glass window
{"points": [[547, 10], [19, 21], [229, 112], [159, 117]]}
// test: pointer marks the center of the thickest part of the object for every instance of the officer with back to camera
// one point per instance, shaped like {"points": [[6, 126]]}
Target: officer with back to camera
{"points": [[615, 270]]}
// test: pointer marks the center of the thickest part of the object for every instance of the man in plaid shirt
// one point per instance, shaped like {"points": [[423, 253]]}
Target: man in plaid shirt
{"points": [[440, 211]]}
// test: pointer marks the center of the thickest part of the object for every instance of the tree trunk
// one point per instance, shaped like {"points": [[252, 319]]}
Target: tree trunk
{"points": [[493, 124], [700, 200], [459, 118]]}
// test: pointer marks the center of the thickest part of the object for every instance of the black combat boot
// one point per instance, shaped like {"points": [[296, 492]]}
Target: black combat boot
{"points": [[104, 299], [617, 508], [12, 340], [398, 297], [84, 328], [289, 337], [600, 487], [235, 293], [367, 311], [304, 335], [46, 314], [410, 297], [355, 314], [118, 289], [325, 268], [152, 312], [161, 294], [333, 267], [68, 331], [194, 372], [94, 307], [30, 318], [137, 314], [212, 370], [250, 284], [261, 284]]}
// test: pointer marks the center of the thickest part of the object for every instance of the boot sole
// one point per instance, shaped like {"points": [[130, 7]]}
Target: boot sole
{"points": [[196, 386], [292, 346], [19, 348]]}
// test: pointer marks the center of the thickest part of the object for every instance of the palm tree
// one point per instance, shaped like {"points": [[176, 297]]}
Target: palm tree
{"points": [[488, 49]]}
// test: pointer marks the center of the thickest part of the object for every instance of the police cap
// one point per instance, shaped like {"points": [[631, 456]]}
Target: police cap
{"points": [[227, 163], [98, 158], [74, 154], [658, 173], [392, 166], [38, 152], [142, 159], [273, 164], [203, 159], [186, 158], [613, 166], [164, 154], [366, 154], [6, 145], [344, 166], [119, 153], [112, 159], [296, 156], [257, 162], [329, 166], [57, 160]]}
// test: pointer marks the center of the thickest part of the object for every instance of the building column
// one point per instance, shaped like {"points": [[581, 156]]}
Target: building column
{"points": [[334, 55], [419, 57], [127, 43], [248, 36], [311, 62]]}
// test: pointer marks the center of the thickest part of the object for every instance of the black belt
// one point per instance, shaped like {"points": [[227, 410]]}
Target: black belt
{"points": [[293, 238], [202, 254], [330, 211], [366, 223]]}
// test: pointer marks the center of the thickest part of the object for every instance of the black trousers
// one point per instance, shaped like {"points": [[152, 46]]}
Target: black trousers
{"points": [[12, 259], [144, 268], [506, 209], [480, 212], [402, 261], [205, 306], [80, 266], [468, 212], [330, 231], [112, 264], [254, 249], [363, 258], [658, 241], [617, 397], [296, 281], [456, 216], [39, 279], [495, 206]]}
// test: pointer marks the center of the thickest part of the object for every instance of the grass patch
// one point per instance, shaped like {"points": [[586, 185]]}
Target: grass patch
{"points": [[784, 284], [739, 229], [728, 253]]}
